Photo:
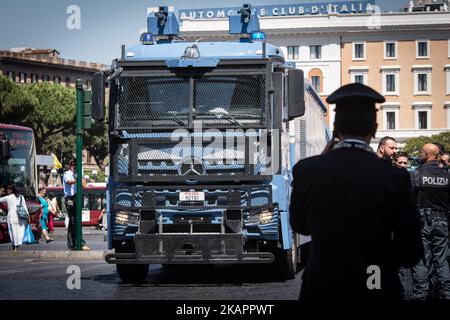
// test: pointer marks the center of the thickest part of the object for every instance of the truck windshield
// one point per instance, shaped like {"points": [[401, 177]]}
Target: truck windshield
{"points": [[19, 168], [215, 99]]}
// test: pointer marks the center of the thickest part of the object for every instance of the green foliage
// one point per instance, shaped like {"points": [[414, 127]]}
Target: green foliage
{"points": [[95, 141], [47, 108], [413, 146]]}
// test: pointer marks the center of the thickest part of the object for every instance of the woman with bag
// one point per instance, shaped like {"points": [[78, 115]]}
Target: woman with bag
{"points": [[54, 211], [44, 217], [17, 215]]}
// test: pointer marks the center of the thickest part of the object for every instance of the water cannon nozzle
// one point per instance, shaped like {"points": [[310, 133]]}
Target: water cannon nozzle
{"points": [[162, 15]]}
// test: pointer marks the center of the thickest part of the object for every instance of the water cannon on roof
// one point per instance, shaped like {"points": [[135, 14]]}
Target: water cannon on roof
{"points": [[162, 22], [245, 22]]}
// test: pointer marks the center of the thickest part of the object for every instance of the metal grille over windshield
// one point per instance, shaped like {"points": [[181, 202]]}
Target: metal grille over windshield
{"points": [[153, 101], [235, 100], [212, 100]]}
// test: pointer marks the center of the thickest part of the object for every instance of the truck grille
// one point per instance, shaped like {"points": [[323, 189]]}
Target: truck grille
{"points": [[137, 198]]}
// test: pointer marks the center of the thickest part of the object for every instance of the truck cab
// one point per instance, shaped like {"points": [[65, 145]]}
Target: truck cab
{"points": [[201, 138]]}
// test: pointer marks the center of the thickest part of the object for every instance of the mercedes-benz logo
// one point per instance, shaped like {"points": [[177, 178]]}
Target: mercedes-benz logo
{"points": [[191, 166]]}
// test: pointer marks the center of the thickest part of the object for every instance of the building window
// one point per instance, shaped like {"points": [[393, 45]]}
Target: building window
{"points": [[45, 78], [22, 77], [315, 80], [390, 50], [67, 82], [390, 83], [447, 72], [359, 74], [11, 76], [390, 78], [293, 52], [359, 51], [422, 80], [315, 52], [422, 49], [390, 120], [390, 115], [57, 79], [422, 117], [359, 78], [34, 78]]}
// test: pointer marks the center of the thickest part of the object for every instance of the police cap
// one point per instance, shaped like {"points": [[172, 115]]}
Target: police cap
{"points": [[355, 97]]}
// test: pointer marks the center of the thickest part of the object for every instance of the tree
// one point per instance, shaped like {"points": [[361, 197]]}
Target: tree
{"points": [[413, 146], [47, 108], [6, 86], [96, 142]]}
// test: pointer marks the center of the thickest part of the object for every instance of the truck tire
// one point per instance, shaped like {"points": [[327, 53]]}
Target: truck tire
{"points": [[286, 262], [132, 273]]}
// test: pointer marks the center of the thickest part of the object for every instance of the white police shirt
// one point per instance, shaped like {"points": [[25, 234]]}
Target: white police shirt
{"points": [[69, 189]]}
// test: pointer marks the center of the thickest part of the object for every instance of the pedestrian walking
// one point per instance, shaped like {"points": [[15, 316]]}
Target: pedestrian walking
{"points": [[45, 212], [432, 189], [358, 210], [70, 190], [16, 224], [54, 211]]}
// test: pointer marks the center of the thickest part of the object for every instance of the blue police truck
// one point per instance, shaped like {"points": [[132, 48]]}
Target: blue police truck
{"points": [[202, 137]]}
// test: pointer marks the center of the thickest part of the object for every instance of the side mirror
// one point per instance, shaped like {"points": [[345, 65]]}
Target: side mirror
{"points": [[5, 153], [296, 96], [98, 96]]}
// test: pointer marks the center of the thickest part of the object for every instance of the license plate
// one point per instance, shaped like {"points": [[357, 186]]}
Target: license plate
{"points": [[192, 196]]}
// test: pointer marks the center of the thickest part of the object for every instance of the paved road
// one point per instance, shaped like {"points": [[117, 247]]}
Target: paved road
{"points": [[25, 278]]}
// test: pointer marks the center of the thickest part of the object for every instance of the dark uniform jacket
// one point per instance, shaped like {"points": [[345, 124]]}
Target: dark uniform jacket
{"points": [[432, 187], [359, 212]]}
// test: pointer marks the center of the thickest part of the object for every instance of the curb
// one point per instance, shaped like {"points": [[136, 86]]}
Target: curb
{"points": [[58, 254]]}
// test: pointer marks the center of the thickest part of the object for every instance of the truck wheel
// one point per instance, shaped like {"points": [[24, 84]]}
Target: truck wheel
{"points": [[286, 261], [132, 273]]}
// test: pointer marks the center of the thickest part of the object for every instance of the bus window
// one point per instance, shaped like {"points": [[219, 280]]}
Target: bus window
{"points": [[96, 202], [86, 201]]}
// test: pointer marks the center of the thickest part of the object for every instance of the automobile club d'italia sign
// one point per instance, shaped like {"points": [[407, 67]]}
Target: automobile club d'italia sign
{"points": [[316, 8]]}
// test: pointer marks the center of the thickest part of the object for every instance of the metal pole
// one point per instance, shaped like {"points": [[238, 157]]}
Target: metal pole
{"points": [[79, 199]]}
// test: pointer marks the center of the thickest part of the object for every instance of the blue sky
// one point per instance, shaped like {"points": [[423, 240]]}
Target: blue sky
{"points": [[105, 24]]}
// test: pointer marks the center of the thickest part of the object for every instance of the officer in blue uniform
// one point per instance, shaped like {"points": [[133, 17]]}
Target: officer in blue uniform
{"points": [[432, 188], [358, 210]]}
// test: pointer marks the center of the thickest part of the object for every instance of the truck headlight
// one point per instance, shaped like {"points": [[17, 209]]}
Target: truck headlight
{"points": [[127, 217], [266, 216]]}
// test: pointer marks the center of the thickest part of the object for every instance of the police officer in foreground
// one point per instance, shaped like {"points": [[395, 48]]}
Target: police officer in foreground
{"points": [[359, 210], [432, 188]]}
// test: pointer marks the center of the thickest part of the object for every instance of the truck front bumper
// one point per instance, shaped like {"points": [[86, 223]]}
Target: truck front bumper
{"points": [[189, 249]]}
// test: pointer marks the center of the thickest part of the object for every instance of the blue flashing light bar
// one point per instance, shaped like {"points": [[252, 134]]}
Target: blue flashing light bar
{"points": [[147, 38], [258, 36]]}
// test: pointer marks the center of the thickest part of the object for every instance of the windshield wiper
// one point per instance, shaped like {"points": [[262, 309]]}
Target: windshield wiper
{"points": [[219, 115], [173, 116]]}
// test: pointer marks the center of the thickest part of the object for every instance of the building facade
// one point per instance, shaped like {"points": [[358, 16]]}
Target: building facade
{"points": [[28, 66], [404, 55]]}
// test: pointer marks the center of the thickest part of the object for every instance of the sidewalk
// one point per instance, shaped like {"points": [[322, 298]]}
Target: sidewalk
{"points": [[57, 249]]}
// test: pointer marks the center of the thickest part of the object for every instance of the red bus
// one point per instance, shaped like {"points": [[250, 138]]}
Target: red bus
{"points": [[94, 200], [21, 170]]}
